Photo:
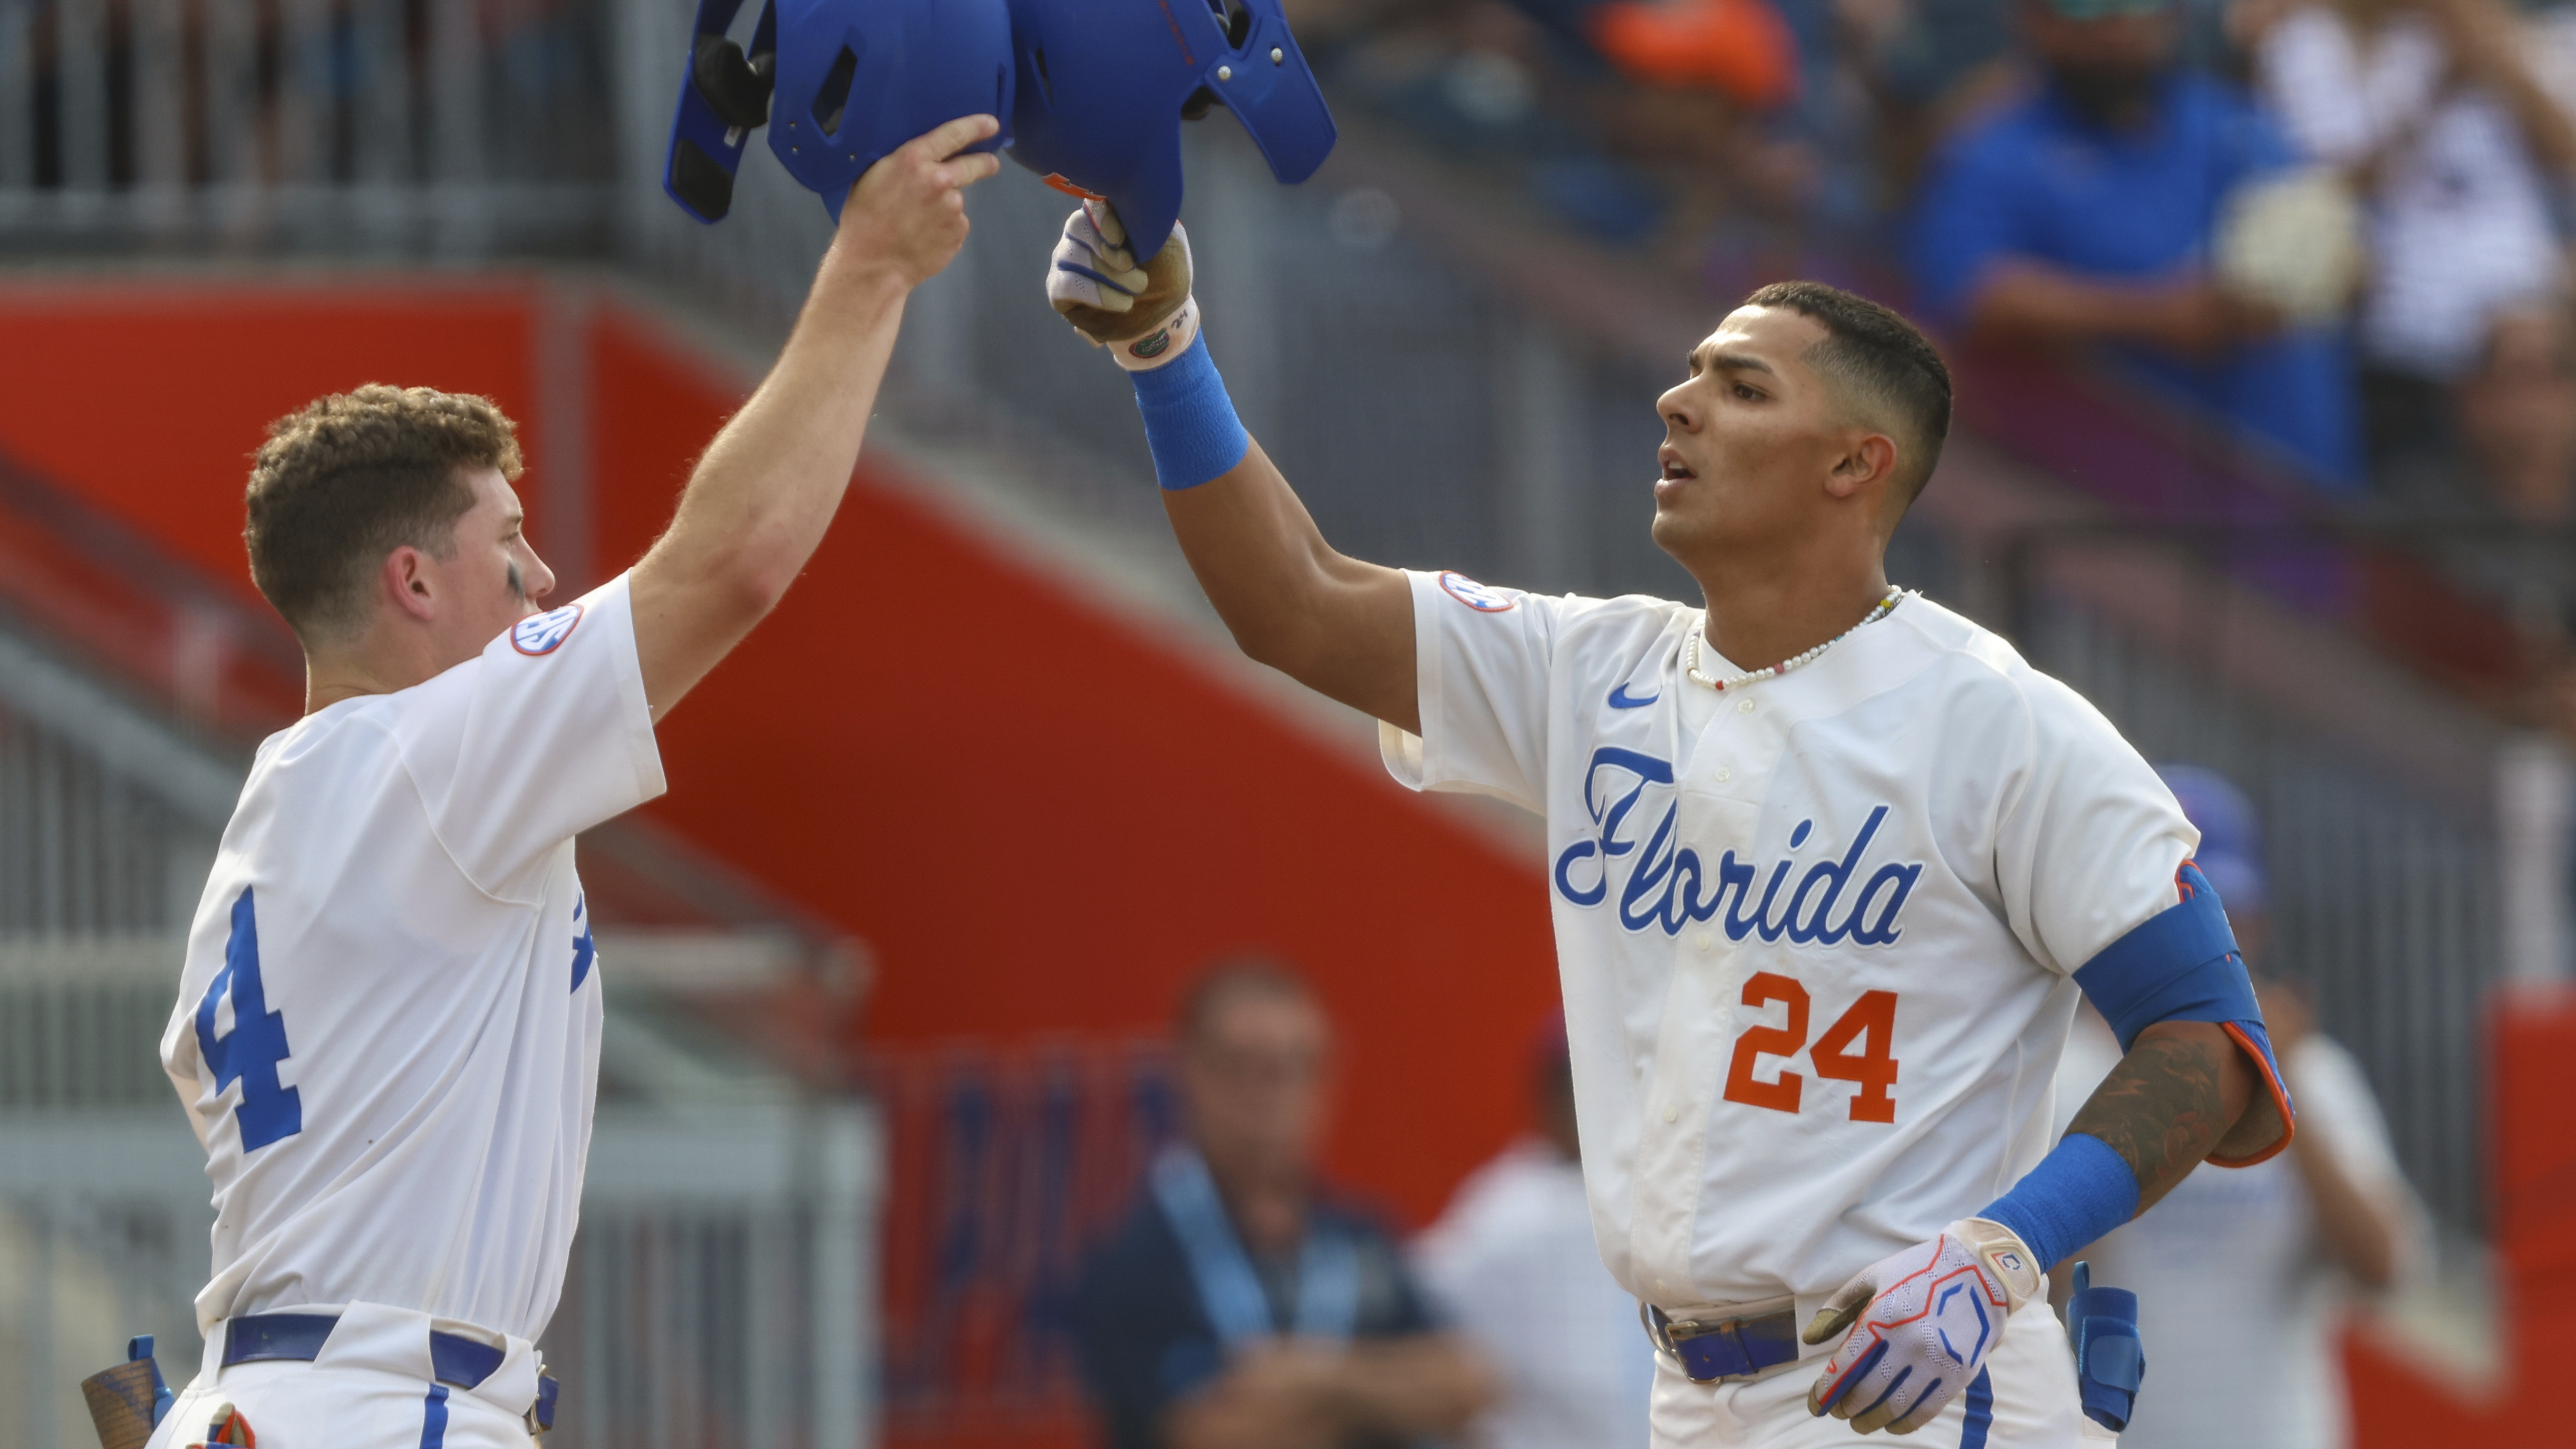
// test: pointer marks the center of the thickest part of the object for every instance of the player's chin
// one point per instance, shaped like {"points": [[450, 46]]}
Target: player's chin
{"points": [[1679, 529]]}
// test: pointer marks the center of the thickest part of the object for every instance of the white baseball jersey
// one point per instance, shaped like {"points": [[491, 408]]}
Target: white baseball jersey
{"points": [[387, 1033], [1815, 933]]}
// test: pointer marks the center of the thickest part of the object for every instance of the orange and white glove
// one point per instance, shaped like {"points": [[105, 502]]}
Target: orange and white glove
{"points": [[1921, 1323]]}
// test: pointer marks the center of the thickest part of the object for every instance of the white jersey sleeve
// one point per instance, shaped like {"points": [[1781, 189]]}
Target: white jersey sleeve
{"points": [[2089, 838], [542, 736], [1482, 657]]}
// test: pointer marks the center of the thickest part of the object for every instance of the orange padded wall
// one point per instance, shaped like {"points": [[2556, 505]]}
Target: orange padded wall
{"points": [[2531, 1152], [149, 396]]}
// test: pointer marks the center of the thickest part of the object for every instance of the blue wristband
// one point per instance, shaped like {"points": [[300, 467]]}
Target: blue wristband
{"points": [[2080, 1191], [1189, 421]]}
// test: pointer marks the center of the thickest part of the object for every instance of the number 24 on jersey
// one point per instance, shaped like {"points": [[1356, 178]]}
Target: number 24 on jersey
{"points": [[1869, 1025]]}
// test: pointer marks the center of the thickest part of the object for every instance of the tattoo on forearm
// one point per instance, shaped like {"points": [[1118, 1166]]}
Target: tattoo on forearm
{"points": [[2161, 1109]]}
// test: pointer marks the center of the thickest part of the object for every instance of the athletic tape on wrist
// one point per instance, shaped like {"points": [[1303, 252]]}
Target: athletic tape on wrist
{"points": [[1189, 420], [2080, 1190]]}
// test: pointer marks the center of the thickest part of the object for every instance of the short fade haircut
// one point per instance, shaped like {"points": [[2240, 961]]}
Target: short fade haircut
{"points": [[350, 477], [1882, 360], [1227, 982]]}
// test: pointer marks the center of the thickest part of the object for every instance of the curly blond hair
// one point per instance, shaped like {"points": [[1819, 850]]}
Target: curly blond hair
{"points": [[348, 478]]}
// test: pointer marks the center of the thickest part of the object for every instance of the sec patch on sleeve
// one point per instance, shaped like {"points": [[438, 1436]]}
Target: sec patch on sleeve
{"points": [[544, 633], [1476, 596]]}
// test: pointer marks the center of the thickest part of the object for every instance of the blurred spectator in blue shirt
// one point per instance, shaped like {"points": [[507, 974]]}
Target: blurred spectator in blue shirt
{"points": [[1237, 1307], [2082, 213]]}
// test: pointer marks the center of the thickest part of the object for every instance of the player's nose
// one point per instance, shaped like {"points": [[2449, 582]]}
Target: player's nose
{"points": [[540, 579], [1677, 410]]}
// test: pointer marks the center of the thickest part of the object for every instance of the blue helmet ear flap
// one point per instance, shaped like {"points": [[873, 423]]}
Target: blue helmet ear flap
{"points": [[724, 96], [1271, 90]]}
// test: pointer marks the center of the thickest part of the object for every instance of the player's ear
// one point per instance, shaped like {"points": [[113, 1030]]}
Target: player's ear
{"points": [[403, 579], [1868, 460]]}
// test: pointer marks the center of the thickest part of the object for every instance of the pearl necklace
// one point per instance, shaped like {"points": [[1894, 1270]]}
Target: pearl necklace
{"points": [[1690, 648]]}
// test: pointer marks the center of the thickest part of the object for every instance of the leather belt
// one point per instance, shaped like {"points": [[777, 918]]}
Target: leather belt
{"points": [[297, 1337], [1714, 1350]]}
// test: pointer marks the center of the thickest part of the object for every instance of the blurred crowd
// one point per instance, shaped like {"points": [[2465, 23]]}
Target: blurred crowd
{"points": [[2335, 232]]}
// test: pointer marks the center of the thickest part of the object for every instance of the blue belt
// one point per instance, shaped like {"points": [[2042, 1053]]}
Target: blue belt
{"points": [[297, 1337], [1711, 1349]]}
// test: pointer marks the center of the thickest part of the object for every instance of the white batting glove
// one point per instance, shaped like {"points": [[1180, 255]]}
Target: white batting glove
{"points": [[1144, 315], [1921, 1324]]}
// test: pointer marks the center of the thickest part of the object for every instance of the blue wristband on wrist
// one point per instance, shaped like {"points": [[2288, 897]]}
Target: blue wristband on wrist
{"points": [[2080, 1191], [1189, 421]]}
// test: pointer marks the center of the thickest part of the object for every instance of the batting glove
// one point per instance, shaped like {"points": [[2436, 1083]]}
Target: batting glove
{"points": [[1921, 1324], [1144, 315]]}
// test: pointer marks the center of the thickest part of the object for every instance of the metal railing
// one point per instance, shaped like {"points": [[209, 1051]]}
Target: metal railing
{"points": [[375, 127], [728, 1304], [2385, 898]]}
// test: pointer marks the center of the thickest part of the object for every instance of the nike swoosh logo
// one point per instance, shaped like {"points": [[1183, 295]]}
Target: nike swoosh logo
{"points": [[1621, 699]]}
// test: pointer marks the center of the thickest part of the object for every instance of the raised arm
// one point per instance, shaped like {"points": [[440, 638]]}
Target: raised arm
{"points": [[1340, 627], [759, 501]]}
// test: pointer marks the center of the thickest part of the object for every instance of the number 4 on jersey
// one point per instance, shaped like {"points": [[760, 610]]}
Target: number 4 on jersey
{"points": [[250, 1052], [1871, 1068]]}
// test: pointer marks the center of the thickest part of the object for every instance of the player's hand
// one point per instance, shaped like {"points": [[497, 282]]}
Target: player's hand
{"points": [[1143, 314], [1921, 1323], [908, 213]]}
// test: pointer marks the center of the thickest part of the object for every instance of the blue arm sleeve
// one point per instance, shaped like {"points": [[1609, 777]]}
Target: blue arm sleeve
{"points": [[1189, 421], [2181, 964], [2079, 1191]]}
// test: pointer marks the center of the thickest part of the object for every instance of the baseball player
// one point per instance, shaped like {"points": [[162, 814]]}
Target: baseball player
{"points": [[1828, 864], [388, 1027]]}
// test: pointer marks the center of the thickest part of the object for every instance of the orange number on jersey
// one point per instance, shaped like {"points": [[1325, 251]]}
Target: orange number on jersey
{"points": [[1769, 1041], [1874, 1015]]}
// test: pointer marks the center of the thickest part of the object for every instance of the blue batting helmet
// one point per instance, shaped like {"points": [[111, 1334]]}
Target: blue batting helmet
{"points": [[839, 82], [1105, 84]]}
